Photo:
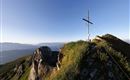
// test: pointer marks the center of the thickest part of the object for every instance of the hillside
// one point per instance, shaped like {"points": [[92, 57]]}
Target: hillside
{"points": [[117, 44], [92, 61], [102, 59], [13, 70]]}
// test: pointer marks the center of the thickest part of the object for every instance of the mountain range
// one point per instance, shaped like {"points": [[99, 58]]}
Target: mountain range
{"points": [[11, 51], [6, 46], [103, 58]]}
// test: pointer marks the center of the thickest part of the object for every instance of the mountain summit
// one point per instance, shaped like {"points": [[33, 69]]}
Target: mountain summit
{"points": [[104, 58]]}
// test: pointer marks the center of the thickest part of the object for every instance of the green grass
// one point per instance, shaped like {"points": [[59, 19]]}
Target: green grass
{"points": [[109, 46], [118, 45], [26, 74], [72, 55], [7, 70]]}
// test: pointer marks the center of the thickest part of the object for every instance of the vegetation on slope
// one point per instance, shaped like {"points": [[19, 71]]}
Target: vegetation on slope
{"points": [[118, 44], [115, 47], [72, 54], [76, 53], [8, 71], [82, 60]]}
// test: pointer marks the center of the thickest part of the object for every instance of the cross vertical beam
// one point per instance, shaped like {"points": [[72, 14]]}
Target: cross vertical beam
{"points": [[88, 27]]}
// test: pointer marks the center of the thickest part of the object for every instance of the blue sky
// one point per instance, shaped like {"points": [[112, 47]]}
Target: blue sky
{"points": [[36, 21]]}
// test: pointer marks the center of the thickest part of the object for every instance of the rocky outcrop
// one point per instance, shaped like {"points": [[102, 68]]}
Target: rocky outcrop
{"points": [[60, 56], [43, 62], [20, 70]]}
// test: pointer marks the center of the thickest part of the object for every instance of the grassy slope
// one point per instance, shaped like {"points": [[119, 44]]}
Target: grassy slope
{"points": [[114, 47], [118, 44], [72, 55], [7, 69], [26, 74]]}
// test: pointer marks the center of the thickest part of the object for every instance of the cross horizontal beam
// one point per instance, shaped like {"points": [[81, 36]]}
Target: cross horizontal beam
{"points": [[87, 21]]}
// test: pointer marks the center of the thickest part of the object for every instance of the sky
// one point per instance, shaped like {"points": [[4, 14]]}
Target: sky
{"points": [[37, 21]]}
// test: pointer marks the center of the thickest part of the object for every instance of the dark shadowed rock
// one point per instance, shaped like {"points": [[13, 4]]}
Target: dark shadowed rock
{"points": [[43, 62]]}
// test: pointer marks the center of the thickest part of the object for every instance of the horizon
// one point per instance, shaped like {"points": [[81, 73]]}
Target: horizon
{"points": [[125, 40], [33, 22], [32, 43]]}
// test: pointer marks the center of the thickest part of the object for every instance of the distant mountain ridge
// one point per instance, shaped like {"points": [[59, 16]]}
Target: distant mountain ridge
{"points": [[18, 46], [10, 55], [12, 51], [6, 46]]}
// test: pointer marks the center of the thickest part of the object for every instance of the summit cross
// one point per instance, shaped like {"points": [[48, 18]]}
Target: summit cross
{"points": [[89, 22]]}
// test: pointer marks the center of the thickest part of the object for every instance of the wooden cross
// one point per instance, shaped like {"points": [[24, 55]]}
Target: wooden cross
{"points": [[89, 22]]}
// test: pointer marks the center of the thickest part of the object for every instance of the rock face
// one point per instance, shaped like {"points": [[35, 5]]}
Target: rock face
{"points": [[43, 62], [20, 70]]}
